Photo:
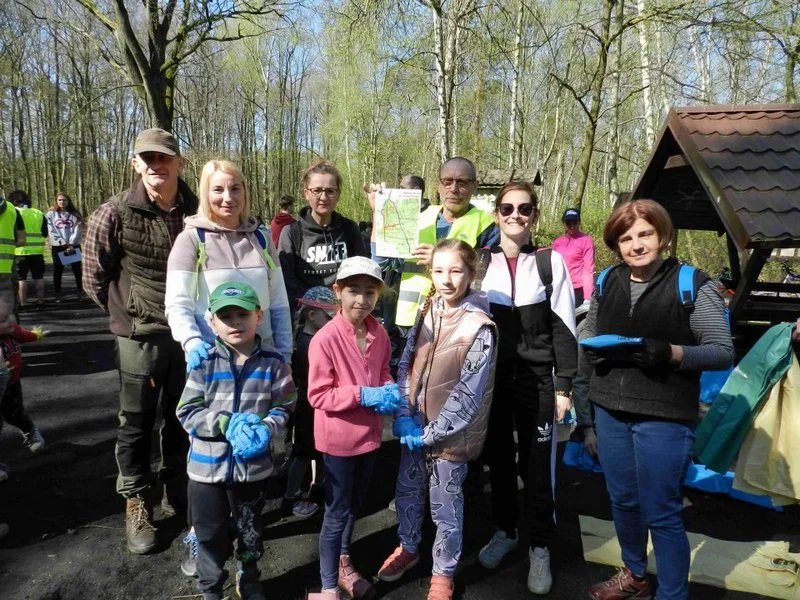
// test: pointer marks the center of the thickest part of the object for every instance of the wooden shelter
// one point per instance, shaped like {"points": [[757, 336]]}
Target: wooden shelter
{"points": [[491, 180], [735, 170]]}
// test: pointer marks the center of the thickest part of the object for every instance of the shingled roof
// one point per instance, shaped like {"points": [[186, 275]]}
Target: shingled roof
{"points": [[730, 168]]}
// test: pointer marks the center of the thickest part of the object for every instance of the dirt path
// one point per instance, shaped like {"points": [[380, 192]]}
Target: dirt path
{"points": [[67, 538]]}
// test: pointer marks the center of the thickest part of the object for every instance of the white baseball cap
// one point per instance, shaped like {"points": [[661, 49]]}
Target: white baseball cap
{"points": [[359, 265]]}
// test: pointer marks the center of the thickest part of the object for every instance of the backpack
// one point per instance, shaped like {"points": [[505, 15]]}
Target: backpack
{"points": [[543, 266], [689, 281]]}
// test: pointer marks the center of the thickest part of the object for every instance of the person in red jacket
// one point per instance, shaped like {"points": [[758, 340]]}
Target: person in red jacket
{"points": [[11, 409], [282, 219]]}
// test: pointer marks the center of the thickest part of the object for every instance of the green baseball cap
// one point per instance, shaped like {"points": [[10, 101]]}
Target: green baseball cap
{"points": [[233, 294]]}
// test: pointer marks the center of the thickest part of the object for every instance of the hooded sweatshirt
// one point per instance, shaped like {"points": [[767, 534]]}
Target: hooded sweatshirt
{"points": [[279, 221], [231, 255], [310, 254]]}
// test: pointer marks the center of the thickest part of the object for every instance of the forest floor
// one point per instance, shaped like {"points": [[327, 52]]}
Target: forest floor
{"points": [[67, 535]]}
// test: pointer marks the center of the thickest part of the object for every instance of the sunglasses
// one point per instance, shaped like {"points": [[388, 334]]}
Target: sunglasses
{"points": [[525, 210]]}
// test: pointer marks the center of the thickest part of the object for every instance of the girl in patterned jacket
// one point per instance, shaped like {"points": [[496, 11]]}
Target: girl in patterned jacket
{"points": [[447, 375]]}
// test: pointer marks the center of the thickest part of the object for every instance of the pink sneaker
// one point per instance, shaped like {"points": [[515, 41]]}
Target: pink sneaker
{"points": [[398, 563], [351, 580]]}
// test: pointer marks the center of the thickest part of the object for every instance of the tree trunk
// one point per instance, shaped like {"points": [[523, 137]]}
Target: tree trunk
{"points": [[613, 166], [644, 56], [513, 147], [590, 130]]}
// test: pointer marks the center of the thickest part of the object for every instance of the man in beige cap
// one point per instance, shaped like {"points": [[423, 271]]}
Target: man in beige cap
{"points": [[128, 240]]}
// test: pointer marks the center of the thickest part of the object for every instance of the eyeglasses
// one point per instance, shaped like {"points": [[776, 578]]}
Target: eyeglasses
{"points": [[525, 210], [448, 181], [317, 192]]}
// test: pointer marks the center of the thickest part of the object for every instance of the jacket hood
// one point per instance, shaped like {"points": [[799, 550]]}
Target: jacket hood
{"points": [[474, 301], [308, 223], [283, 219], [199, 222]]}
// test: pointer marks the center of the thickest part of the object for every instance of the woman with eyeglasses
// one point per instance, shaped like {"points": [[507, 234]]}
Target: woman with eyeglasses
{"points": [[312, 248], [532, 303]]}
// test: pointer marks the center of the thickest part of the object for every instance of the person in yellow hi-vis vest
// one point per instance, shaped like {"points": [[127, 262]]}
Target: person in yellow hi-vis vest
{"points": [[30, 256], [455, 217], [12, 234]]}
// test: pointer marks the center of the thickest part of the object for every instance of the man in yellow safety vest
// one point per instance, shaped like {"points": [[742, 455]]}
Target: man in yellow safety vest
{"points": [[455, 217], [12, 234], [30, 256]]}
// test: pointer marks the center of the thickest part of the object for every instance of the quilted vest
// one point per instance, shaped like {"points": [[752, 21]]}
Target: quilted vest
{"points": [[145, 245], [455, 332]]}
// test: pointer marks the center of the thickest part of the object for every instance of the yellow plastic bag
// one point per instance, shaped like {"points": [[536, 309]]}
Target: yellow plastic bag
{"points": [[773, 445]]}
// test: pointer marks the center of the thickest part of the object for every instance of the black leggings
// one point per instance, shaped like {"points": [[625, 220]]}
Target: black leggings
{"points": [[58, 268]]}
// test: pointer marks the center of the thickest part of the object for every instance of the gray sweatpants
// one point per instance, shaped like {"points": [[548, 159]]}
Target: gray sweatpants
{"points": [[447, 507]]}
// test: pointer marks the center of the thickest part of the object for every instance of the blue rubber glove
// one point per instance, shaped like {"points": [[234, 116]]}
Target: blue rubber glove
{"points": [[402, 426], [196, 352], [413, 439], [248, 435], [384, 399]]}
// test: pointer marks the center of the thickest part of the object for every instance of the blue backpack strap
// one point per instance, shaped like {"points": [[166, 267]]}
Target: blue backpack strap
{"points": [[601, 278], [686, 288], [262, 241]]}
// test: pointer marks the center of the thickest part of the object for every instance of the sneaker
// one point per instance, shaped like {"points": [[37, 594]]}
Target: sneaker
{"points": [[248, 588], [351, 580], [441, 588], [540, 581], [3, 473], [189, 566], [398, 563], [621, 586], [324, 595], [33, 440], [304, 509], [392, 506], [493, 552]]}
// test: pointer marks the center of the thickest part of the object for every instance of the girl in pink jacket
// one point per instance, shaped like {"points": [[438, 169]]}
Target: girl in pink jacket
{"points": [[350, 387]]}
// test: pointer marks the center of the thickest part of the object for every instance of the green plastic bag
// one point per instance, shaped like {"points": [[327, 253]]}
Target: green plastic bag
{"points": [[722, 431]]}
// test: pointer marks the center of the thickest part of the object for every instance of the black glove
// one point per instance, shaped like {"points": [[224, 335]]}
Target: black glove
{"points": [[593, 357], [651, 353]]}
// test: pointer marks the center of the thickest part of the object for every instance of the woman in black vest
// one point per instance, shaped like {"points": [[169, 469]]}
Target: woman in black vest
{"points": [[646, 396]]}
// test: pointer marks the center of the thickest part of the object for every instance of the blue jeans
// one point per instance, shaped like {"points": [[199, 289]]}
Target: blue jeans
{"points": [[346, 479], [645, 460]]}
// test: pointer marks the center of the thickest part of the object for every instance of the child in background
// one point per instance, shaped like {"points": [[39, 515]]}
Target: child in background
{"points": [[350, 387], [12, 336], [447, 375], [232, 406], [317, 307]]}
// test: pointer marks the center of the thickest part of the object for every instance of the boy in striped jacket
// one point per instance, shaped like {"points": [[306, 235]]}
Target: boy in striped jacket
{"points": [[232, 407]]}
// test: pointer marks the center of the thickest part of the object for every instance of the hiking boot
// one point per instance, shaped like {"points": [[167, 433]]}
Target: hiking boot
{"points": [[621, 586], [189, 566], [441, 588], [493, 552], [351, 580], [540, 581], [398, 563], [139, 530], [33, 440]]}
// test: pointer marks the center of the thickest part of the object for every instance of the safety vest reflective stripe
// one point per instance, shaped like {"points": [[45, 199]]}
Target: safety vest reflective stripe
{"points": [[414, 282], [8, 221], [34, 241]]}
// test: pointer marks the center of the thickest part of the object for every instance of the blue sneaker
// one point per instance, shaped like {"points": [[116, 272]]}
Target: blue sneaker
{"points": [[189, 566], [492, 553]]}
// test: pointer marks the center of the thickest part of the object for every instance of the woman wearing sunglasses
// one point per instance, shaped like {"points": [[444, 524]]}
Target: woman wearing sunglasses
{"points": [[312, 248], [537, 333]]}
